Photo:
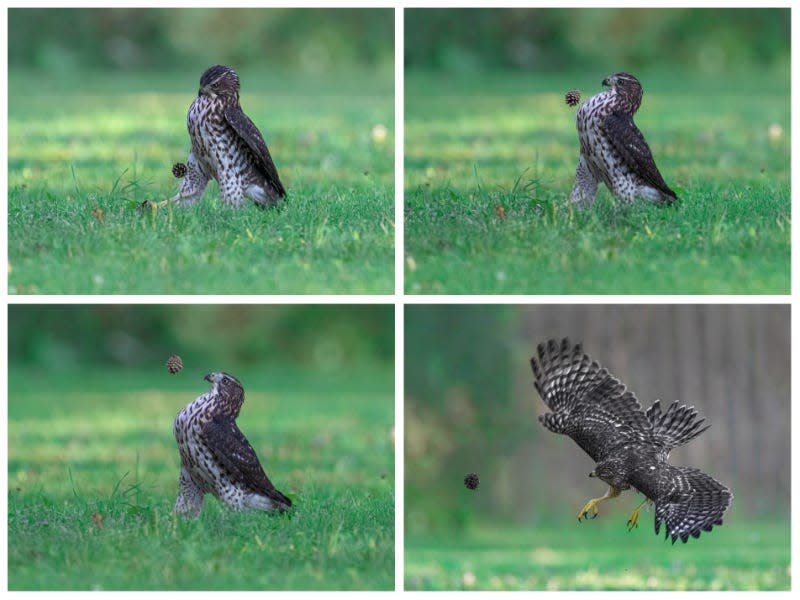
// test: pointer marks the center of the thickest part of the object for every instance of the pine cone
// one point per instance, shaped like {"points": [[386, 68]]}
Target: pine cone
{"points": [[174, 364], [471, 481], [179, 170], [572, 97]]}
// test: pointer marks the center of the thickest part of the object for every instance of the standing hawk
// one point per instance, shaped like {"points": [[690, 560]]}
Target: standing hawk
{"points": [[613, 150], [226, 146], [216, 458], [629, 445]]}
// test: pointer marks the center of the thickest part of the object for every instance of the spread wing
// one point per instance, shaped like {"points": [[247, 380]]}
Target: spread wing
{"points": [[247, 130], [236, 456], [630, 144], [589, 404]]}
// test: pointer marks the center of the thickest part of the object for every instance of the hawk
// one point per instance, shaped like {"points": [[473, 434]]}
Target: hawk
{"points": [[629, 446], [216, 458], [226, 146], [613, 150]]}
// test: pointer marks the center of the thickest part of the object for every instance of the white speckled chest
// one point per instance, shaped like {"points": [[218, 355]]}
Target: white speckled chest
{"points": [[219, 150], [197, 459], [603, 161]]}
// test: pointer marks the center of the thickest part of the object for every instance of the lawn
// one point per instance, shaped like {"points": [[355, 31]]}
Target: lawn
{"points": [[490, 161], [84, 156], [600, 555], [93, 471]]}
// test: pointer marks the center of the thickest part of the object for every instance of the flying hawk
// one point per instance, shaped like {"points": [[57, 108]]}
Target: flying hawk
{"points": [[629, 445], [613, 150], [226, 146], [216, 458]]}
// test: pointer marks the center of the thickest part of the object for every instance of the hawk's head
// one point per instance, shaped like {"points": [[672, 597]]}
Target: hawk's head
{"points": [[228, 389], [219, 80], [627, 88]]}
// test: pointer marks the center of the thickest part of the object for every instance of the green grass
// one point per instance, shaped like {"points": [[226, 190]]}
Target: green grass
{"points": [[93, 471], [490, 162], [83, 158], [600, 555]]}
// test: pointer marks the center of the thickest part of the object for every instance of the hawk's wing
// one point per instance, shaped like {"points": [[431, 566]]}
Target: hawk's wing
{"points": [[589, 404], [687, 500], [675, 427], [247, 130], [630, 144], [236, 456]]}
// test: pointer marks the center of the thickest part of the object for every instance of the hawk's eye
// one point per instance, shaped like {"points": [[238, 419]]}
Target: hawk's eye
{"points": [[225, 380]]}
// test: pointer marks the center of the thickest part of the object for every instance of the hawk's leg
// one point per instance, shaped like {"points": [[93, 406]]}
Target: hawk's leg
{"points": [[190, 498], [585, 189], [633, 521], [591, 505], [193, 185]]}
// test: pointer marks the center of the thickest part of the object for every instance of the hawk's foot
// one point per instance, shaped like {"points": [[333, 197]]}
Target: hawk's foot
{"points": [[153, 206], [591, 505], [633, 520]]}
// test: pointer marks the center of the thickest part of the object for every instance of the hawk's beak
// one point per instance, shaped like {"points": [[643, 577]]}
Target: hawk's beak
{"points": [[208, 378], [592, 474], [607, 82]]}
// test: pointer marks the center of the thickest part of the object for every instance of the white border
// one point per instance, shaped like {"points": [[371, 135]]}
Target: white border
{"points": [[399, 299]]}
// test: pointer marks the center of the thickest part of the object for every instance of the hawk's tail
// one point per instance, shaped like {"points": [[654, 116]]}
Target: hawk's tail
{"points": [[282, 503], [695, 503], [677, 426]]}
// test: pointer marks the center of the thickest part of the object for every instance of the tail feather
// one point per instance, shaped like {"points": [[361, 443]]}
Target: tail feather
{"points": [[695, 503], [283, 501]]}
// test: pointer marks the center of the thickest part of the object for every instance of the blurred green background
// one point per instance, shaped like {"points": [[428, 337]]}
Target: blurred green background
{"points": [[553, 40], [107, 337], [470, 406], [311, 41]]}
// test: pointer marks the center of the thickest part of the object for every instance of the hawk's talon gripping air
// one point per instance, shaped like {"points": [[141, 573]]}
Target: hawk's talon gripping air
{"points": [[633, 520], [584, 513], [592, 504], [630, 446], [613, 150]]}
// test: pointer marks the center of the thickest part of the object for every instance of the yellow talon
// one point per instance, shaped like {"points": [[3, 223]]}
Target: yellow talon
{"points": [[153, 206], [156, 205], [633, 521], [591, 505]]}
